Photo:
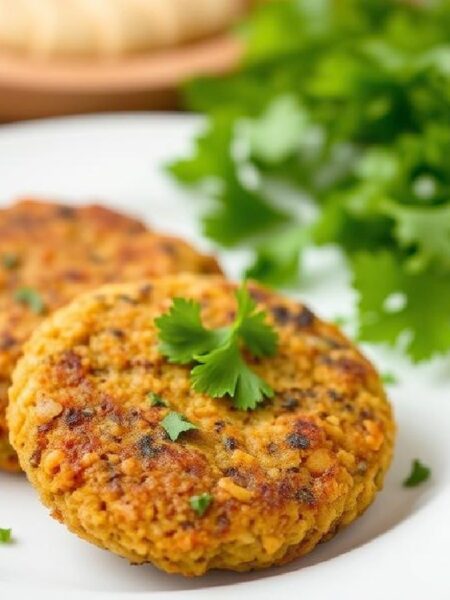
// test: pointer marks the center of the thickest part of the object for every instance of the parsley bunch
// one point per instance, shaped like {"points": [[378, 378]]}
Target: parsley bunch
{"points": [[221, 368], [345, 104]]}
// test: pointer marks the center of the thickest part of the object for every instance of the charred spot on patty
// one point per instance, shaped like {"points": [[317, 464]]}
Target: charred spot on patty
{"points": [[297, 441], [146, 446]]}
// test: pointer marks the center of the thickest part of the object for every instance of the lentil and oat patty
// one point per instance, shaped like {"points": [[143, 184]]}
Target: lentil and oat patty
{"points": [[283, 477], [49, 253]]}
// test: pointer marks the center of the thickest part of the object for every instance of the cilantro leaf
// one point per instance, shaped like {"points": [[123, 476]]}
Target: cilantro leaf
{"points": [[426, 230], [31, 298], [425, 313], [181, 333], [224, 372], [419, 473], [240, 213], [277, 260], [277, 132], [5, 535], [174, 424], [221, 369], [156, 400], [260, 338], [201, 503]]}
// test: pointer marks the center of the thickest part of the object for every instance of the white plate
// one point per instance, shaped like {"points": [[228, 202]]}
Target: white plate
{"points": [[399, 548]]}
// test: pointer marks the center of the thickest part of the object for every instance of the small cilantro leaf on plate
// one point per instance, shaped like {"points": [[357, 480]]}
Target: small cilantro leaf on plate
{"points": [[419, 474], [5, 535], [174, 424], [156, 400], [30, 297], [389, 378], [200, 503]]}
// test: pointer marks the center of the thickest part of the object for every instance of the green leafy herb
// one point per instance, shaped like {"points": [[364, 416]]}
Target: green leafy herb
{"points": [[155, 399], [345, 104], [221, 368], [31, 298], [5, 535], [182, 335], [389, 378], [201, 503], [419, 474], [10, 260], [341, 320], [380, 276], [174, 424]]}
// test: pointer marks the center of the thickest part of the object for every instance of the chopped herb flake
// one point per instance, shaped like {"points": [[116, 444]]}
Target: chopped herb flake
{"points": [[10, 260], [419, 474], [31, 298], [389, 378], [5, 536], [155, 399], [175, 424], [201, 503]]}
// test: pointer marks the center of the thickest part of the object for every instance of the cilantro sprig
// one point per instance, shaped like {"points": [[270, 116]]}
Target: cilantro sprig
{"points": [[343, 105], [221, 368]]}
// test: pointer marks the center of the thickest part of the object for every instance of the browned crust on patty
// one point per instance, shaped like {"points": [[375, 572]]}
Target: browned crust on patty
{"points": [[60, 251], [283, 477]]}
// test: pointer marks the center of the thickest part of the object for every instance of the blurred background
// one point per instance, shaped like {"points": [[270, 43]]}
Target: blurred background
{"points": [[342, 103]]}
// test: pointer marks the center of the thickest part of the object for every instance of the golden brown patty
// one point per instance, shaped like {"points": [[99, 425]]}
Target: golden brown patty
{"points": [[283, 477], [55, 252]]}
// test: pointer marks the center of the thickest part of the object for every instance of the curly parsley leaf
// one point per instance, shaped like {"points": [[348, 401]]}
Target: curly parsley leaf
{"points": [[419, 474], [221, 369], [200, 503], [5, 535], [174, 424]]}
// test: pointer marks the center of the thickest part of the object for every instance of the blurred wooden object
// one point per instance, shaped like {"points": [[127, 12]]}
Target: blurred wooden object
{"points": [[32, 88]]}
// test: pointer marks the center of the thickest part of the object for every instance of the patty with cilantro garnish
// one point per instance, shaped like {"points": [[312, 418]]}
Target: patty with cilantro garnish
{"points": [[113, 430], [49, 253]]}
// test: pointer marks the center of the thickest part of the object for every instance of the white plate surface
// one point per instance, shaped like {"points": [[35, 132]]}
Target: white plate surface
{"points": [[399, 548]]}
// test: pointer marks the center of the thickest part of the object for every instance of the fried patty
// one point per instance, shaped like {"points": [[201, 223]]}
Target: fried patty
{"points": [[282, 477], [50, 253]]}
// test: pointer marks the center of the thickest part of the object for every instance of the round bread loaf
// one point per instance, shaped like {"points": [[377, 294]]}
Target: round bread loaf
{"points": [[57, 28]]}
